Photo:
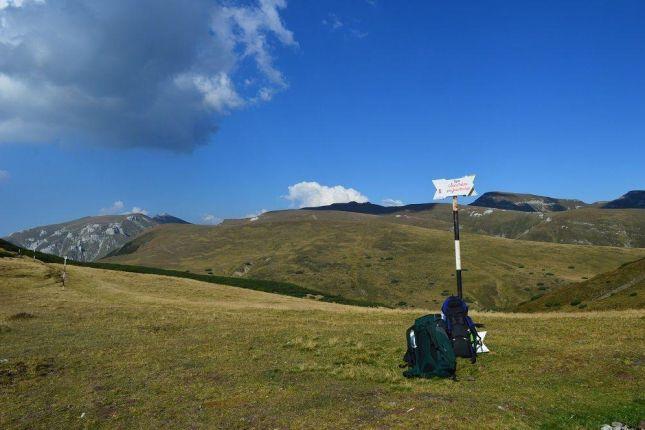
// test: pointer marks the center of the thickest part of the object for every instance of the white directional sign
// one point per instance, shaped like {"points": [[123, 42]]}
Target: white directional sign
{"points": [[481, 347], [454, 187]]}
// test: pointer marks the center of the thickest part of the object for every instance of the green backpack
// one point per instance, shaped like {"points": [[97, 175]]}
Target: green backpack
{"points": [[429, 350]]}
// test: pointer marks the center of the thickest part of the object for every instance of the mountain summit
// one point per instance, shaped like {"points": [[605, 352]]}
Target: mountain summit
{"points": [[164, 218], [631, 200], [371, 208], [88, 238], [526, 202]]}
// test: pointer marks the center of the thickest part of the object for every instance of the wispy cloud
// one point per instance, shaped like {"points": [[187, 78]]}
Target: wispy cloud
{"points": [[85, 74], [310, 194], [257, 215], [5, 4], [332, 21], [137, 210], [4, 176], [211, 219], [391, 202], [117, 207], [358, 33], [349, 28]]}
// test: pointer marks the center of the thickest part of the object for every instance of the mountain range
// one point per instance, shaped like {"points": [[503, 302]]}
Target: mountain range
{"points": [[503, 214], [398, 261], [522, 216], [499, 200], [526, 202], [371, 208], [400, 256], [88, 238]]}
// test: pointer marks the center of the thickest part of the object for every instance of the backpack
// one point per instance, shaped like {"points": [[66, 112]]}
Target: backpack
{"points": [[460, 328], [429, 350]]}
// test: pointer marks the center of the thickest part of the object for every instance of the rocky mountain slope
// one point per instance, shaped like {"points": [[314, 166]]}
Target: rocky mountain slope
{"points": [[88, 238], [526, 202]]}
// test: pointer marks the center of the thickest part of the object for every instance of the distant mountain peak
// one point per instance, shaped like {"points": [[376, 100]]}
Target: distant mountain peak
{"points": [[634, 199], [91, 237], [371, 208], [526, 202], [166, 218]]}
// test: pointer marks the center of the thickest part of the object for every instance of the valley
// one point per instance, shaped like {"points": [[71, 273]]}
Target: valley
{"points": [[365, 257]]}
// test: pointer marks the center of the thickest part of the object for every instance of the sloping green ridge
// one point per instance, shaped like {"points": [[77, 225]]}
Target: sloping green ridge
{"points": [[276, 287], [364, 257], [622, 288]]}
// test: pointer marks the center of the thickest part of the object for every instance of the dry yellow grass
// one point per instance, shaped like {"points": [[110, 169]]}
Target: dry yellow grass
{"points": [[122, 350]]}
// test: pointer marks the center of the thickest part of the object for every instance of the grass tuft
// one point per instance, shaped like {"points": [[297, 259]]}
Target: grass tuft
{"points": [[21, 316]]}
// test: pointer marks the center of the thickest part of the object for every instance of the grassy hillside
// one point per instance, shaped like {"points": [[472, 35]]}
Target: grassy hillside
{"points": [[8, 249], [121, 350], [623, 288], [589, 225], [618, 227], [372, 259]]}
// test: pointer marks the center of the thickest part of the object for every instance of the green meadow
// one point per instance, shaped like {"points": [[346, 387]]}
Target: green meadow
{"points": [[123, 350]]}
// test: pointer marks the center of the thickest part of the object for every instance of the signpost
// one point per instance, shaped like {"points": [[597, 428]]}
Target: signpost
{"points": [[453, 188], [64, 271]]}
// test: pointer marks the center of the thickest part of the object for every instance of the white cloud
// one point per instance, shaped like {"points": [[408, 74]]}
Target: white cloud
{"points": [[5, 4], [211, 219], [138, 210], [218, 91], [392, 202], [265, 94], [82, 73], [309, 194], [332, 21], [246, 28], [256, 216], [335, 24], [4, 176], [116, 208]]}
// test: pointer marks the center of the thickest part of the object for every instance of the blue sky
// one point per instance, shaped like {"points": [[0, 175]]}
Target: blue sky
{"points": [[378, 96]]}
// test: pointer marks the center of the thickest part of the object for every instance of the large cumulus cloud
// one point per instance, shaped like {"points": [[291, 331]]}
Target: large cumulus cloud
{"points": [[133, 73], [313, 194]]}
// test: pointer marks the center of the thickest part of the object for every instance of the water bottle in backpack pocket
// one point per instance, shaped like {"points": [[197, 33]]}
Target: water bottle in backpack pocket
{"points": [[429, 350]]}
